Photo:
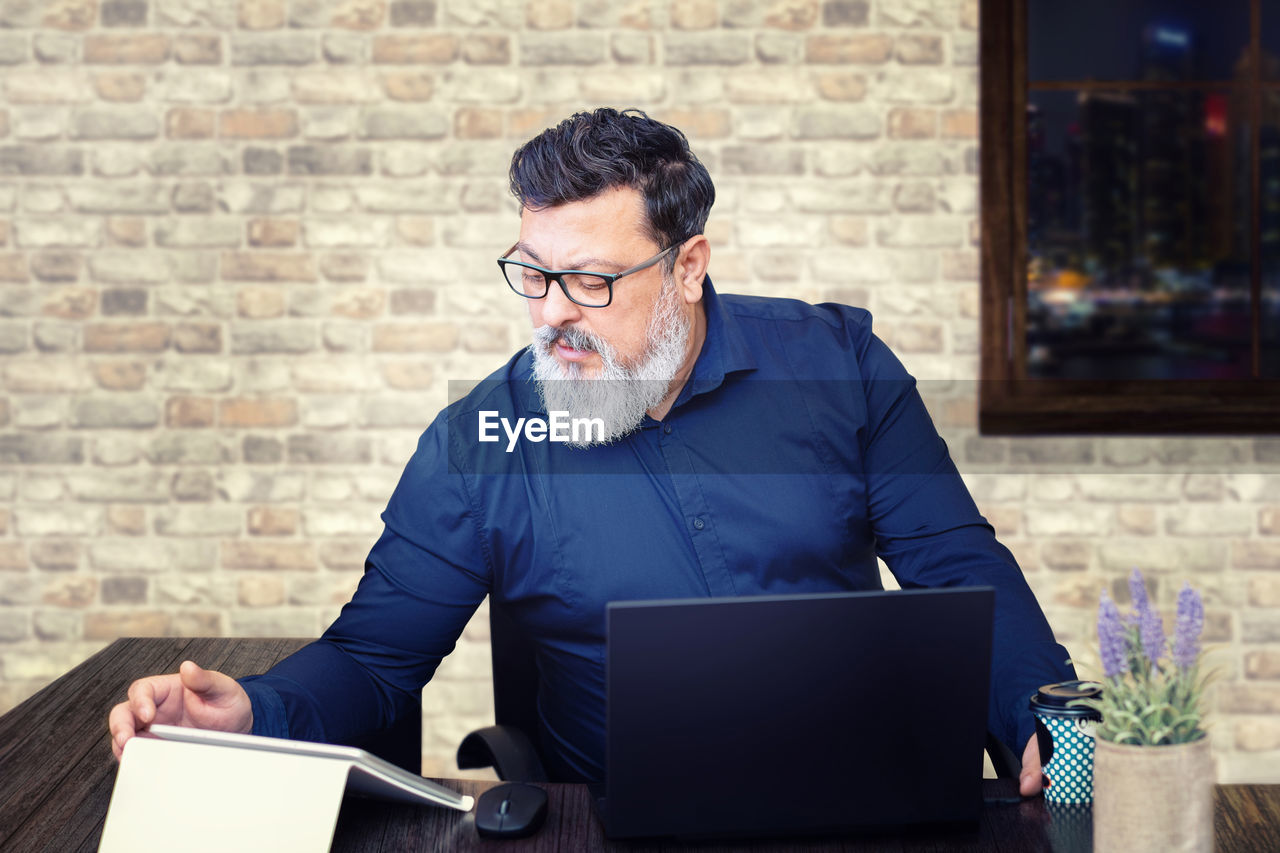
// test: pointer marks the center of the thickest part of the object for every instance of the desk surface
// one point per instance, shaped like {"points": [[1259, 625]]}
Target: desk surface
{"points": [[58, 774]]}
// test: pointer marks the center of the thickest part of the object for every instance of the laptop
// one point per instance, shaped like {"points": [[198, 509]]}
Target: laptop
{"points": [[795, 715]]}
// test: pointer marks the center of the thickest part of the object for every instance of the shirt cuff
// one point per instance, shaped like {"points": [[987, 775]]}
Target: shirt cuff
{"points": [[269, 717]]}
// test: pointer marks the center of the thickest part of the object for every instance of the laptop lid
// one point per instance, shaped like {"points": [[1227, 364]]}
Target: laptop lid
{"points": [[780, 715]]}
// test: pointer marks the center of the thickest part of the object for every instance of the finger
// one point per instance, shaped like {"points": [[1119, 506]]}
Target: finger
{"points": [[120, 722], [197, 680], [1031, 781], [143, 700]]}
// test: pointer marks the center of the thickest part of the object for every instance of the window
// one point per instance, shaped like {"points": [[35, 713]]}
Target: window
{"points": [[1130, 216]]}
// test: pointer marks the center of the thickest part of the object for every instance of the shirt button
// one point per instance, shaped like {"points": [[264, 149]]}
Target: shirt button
{"points": [[698, 524], [666, 428]]}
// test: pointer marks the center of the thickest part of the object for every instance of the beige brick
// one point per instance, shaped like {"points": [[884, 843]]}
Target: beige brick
{"points": [[184, 412], [267, 266], [969, 14], [127, 231], [907, 123], [704, 123], [408, 375], [694, 14], [960, 124], [1262, 664], [1066, 555], [408, 85], [258, 124], [69, 303], [1258, 734], [344, 266], [1255, 554], [334, 87], [841, 86], [415, 337], [1269, 521], [791, 14], [13, 267], [112, 625], [70, 591], [523, 124], [119, 86], [188, 123], [487, 49], [1136, 520], [360, 14], [415, 49], [1265, 592], [132, 49], [359, 303], [126, 337], [70, 14], [273, 521], [869, 49], [298, 556], [549, 14], [259, 303], [13, 557], [260, 591], [198, 49], [119, 375], [253, 412], [1249, 699], [261, 14], [273, 233], [477, 123], [919, 50], [416, 230], [127, 520]]}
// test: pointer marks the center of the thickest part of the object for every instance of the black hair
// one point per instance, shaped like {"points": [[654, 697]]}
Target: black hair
{"points": [[591, 152]]}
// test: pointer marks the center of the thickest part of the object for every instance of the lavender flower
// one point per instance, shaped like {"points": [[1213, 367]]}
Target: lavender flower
{"points": [[1153, 643], [1111, 638], [1138, 593], [1187, 628]]}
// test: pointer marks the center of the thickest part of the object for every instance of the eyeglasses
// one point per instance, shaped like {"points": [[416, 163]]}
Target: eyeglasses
{"points": [[588, 289]]}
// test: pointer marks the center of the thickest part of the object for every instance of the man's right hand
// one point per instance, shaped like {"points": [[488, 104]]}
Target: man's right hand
{"points": [[194, 697]]}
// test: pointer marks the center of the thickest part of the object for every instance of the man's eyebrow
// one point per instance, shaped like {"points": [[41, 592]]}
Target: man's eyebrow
{"points": [[579, 264]]}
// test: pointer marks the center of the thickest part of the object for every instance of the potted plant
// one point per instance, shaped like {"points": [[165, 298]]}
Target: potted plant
{"points": [[1153, 771]]}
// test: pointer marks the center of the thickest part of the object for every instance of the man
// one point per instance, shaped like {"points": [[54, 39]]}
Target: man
{"points": [[733, 446]]}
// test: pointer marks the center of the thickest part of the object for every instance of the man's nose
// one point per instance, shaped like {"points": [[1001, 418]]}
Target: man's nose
{"points": [[558, 309]]}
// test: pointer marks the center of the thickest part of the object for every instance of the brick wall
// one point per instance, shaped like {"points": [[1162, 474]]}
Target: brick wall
{"points": [[244, 247]]}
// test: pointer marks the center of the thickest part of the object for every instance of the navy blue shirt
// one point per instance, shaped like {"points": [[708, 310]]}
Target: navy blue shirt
{"points": [[797, 452]]}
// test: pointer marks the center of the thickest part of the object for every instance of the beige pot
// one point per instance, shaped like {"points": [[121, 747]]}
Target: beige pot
{"points": [[1153, 799]]}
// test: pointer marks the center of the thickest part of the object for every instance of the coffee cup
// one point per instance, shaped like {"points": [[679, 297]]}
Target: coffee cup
{"points": [[1065, 733]]}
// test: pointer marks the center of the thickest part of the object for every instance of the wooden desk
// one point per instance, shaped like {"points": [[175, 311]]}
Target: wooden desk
{"points": [[56, 775]]}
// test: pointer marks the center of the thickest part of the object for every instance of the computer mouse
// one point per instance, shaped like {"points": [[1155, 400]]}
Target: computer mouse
{"points": [[510, 810]]}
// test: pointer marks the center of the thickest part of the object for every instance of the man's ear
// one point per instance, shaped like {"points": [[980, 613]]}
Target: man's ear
{"points": [[691, 267]]}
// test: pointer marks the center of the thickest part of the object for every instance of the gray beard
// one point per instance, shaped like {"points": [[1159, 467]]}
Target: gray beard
{"points": [[621, 394]]}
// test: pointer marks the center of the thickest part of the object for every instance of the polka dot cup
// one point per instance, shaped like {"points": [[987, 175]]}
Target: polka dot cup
{"points": [[1065, 734]]}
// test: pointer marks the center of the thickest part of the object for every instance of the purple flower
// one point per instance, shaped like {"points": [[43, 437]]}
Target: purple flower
{"points": [[1111, 638], [1138, 593], [1189, 623], [1153, 643]]}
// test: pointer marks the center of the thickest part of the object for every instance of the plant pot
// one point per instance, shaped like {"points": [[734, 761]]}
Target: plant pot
{"points": [[1153, 799]]}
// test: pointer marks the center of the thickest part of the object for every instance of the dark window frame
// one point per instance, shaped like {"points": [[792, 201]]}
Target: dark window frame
{"points": [[1009, 403]]}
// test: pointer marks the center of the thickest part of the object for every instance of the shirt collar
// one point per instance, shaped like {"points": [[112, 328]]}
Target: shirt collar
{"points": [[724, 351]]}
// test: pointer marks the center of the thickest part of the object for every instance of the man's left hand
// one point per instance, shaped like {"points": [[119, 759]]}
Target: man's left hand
{"points": [[1031, 780]]}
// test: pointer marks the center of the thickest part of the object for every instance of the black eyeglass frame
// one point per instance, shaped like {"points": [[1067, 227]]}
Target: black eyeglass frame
{"points": [[549, 276]]}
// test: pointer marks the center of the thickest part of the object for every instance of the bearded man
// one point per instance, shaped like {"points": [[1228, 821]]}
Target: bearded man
{"points": [[746, 446]]}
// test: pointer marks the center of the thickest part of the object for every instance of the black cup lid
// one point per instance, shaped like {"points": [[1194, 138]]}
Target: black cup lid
{"points": [[1057, 697]]}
